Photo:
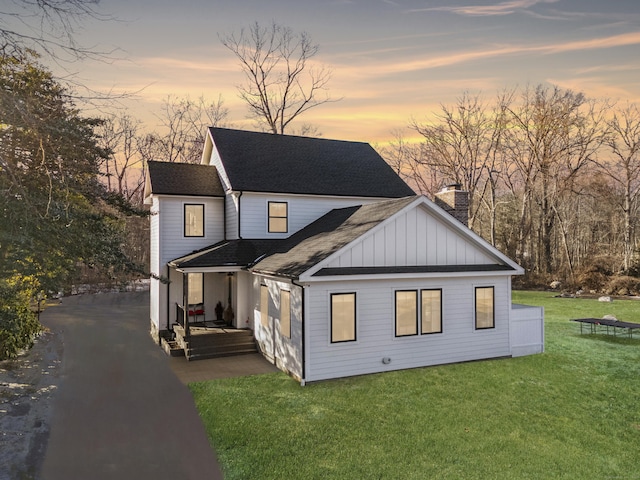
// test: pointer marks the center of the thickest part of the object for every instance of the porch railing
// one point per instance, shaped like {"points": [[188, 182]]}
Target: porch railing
{"points": [[182, 318]]}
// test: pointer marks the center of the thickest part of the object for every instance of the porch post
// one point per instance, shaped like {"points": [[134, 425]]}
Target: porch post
{"points": [[185, 302]]}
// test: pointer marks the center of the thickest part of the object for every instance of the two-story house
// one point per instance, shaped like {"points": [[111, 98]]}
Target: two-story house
{"points": [[327, 258]]}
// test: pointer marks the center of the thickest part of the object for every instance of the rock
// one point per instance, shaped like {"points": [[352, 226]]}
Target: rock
{"points": [[555, 284], [605, 299]]}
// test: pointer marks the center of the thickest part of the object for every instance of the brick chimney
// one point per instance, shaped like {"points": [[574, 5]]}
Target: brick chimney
{"points": [[455, 201]]}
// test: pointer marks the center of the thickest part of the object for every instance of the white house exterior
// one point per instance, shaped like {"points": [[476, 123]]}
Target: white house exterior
{"points": [[328, 258]]}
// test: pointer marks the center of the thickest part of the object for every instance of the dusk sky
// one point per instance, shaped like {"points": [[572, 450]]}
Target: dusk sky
{"points": [[392, 60]]}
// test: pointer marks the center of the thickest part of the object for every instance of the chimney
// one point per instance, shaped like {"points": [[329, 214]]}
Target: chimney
{"points": [[455, 201]]}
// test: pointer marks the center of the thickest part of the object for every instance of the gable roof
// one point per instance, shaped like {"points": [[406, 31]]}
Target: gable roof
{"points": [[325, 236], [308, 250], [264, 162], [169, 178]]}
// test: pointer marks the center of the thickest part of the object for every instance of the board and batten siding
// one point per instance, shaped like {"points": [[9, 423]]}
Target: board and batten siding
{"points": [[415, 237], [302, 210], [285, 353], [375, 327]]}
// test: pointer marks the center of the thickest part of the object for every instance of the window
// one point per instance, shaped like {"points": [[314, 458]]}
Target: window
{"points": [[485, 315], [278, 217], [264, 305], [431, 311], [285, 313], [343, 317], [195, 292], [406, 313], [194, 220]]}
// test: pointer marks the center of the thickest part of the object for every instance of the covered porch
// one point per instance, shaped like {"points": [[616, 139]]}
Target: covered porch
{"points": [[209, 302]]}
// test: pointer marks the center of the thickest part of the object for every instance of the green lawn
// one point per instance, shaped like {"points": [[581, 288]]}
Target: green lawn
{"points": [[572, 412]]}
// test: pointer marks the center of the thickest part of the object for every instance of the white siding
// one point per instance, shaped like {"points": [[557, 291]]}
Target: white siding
{"points": [[154, 264], [285, 353], [413, 238], [167, 242], [375, 322], [302, 210], [231, 211], [173, 243]]}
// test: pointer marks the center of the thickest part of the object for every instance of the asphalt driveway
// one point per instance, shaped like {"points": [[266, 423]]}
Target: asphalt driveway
{"points": [[120, 412]]}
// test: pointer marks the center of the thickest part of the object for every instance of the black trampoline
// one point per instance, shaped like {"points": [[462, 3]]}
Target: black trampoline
{"points": [[606, 324]]}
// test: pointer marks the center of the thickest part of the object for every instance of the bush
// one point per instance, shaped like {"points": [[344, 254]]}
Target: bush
{"points": [[623, 285], [18, 323]]}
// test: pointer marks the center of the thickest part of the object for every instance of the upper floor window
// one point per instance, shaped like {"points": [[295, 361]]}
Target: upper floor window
{"points": [[194, 220], [485, 308], [278, 213]]}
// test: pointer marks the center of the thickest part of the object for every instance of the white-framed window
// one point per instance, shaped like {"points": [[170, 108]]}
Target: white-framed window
{"points": [[431, 302], [278, 213], [406, 313], [285, 313], [193, 220], [418, 312], [264, 305], [195, 293], [485, 308], [343, 317]]}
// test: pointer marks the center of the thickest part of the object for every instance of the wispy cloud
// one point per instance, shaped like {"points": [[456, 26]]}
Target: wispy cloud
{"points": [[503, 8], [621, 40]]}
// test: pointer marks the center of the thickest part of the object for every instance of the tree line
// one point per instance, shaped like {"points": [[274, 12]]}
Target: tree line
{"points": [[553, 179]]}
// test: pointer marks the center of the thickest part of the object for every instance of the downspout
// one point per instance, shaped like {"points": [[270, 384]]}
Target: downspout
{"points": [[239, 218], [168, 298], [303, 373]]}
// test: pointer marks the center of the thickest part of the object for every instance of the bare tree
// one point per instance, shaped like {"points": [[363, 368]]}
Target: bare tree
{"points": [[123, 165], [461, 146], [554, 135], [281, 82], [47, 26], [184, 123], [624, 170]]}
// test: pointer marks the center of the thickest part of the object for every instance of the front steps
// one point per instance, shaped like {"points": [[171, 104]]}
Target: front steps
{"points": [[214, 342]]}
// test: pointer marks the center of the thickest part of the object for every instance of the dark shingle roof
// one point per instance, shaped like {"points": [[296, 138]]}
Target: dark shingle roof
{"points": [[168, 178], [263, 162], [238, 253], [325, 236]]}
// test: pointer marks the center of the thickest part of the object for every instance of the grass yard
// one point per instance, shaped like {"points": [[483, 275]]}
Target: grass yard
{"points": [[572, 412]]}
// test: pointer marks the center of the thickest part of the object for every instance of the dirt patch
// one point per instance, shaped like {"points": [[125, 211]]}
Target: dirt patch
{"points": [[27, 387]]}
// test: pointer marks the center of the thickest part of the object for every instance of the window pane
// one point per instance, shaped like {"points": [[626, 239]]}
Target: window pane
{"points": [[431, 311], [484, 307], [264, 305], [278, 225], [343, 317], [406, 313], [277, 209], [285, 313], [195, 294], [194, 220]]}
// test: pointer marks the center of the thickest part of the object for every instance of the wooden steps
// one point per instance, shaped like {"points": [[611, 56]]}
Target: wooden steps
{"points": [[214, 342]]}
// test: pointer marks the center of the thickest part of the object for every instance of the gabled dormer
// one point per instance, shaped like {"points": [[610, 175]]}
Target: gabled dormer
{"points": [[275, 185]]}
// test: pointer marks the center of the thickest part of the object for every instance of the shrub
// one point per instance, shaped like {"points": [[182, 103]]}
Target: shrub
{"points": [[18, 323]]}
